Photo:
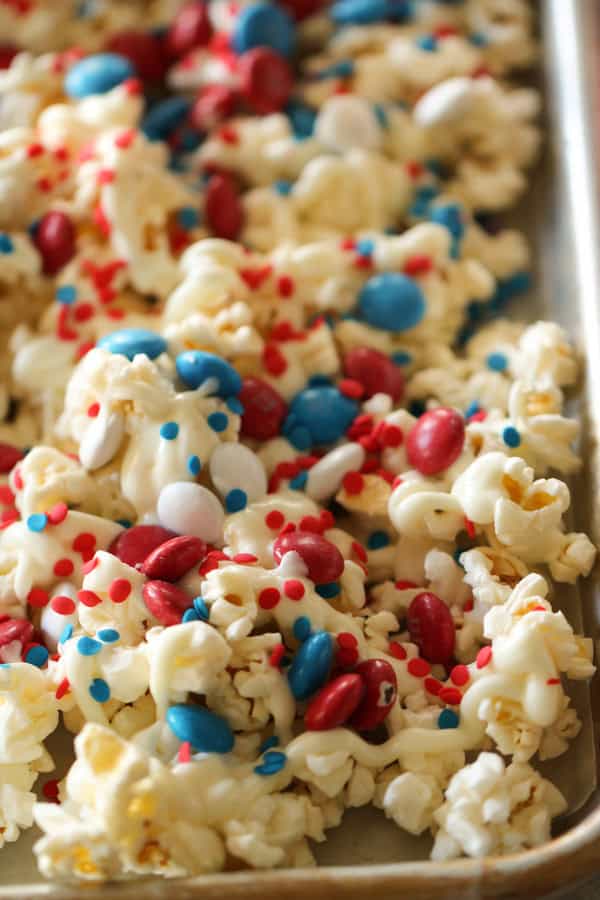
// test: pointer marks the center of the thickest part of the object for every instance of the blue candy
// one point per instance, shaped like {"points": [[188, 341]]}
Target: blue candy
{"points": [[165, 117], [302, 119], [97, 74], [392, 301], [311, 665], [194, 367], [204, 730], [131, 341], [264, 25], [322, 412], [366, 12]]}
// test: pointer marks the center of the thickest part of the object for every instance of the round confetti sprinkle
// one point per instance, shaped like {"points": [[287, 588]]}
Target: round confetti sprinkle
{"points": [[66, 634], [274, 762], [448, 719], [108, 635], [293, 589], [484, 657], [63, 568], [328, 591], [459, 675], [190, 615], [274, 520], [37, 522], [38, 597], [201, 608], [99, 690], [497, 362], [119, 590], [194, 465], [88, 646], [236, 500], [418, 667], [377, 540], [37, 656], [511, 436], [89, 598], [218, 421], [62, 605], [169, 431], [301, 628], [269, 598]]}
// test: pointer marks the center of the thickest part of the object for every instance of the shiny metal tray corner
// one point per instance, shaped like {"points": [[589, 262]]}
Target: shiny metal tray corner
{"points": [[564, 214]]}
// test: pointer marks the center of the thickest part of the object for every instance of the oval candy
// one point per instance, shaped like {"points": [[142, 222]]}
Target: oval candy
{"points": [[166, 601], [133, 545], [54, 238], [264, 409], [101, 441], [436, 440], [223, 208], [204, 730], [189, 508], [381, 691], [142, 49], [311, 665], [190, 28], [335, 702], [171, 560], [164, 117], [214, 103], [322, 559], [325, 477], [234, 466], [431, 627], [266, 80], [9, 457], [392, 301], [264, 25], [97, 74], [197, 367], [375, 372], [131, 341]]}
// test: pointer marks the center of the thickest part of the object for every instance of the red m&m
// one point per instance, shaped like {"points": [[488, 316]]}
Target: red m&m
{"points": [[323, 560], [431, 627], [436, 440], [375, 372]]}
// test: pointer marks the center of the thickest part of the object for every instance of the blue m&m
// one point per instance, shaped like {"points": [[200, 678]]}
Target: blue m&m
{"points": [[204, 730], [131, 341], [165, 117], [264, 25], [392, 301], [195, 367], [97, 74], [319, 415], [311, 665], [366, 12]]}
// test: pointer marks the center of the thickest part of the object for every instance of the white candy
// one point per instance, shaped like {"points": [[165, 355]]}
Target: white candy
{"points": [[101, 440], [445, 102], [236, 466], [52, 624], [325, 477], [346, 123], [189, 508]]}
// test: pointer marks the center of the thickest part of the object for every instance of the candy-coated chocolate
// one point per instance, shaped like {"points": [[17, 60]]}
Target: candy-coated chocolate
{"points": [[436, 440], [381, 691], [166, 601], [204, 730], [431, 627], [311, 665], [134, 545], [171, 560], [335, 702], [323, 560]]}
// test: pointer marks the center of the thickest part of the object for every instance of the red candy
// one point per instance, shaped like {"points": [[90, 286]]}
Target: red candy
{"points": [[381, 689], [335, 702], [222, 207], [213, 104], [142, 49], [190, 28], [302, 9], [264, 409], [15, 630], [7, 54], [266, 80], [375, 372], [171, 560], [436, 440], [55, 240], [431, 627], [165, 601], [134, 545], [9, 457], [323, 560]]}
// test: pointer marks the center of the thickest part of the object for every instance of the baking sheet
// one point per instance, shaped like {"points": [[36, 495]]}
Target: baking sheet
{"points": [[555, 215]]}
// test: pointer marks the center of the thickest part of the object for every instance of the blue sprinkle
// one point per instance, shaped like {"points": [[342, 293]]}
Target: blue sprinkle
{"points": [[511, 436], [299, 482], [235, 406], [126, 523], [283, 187], [99, 690], [66, 293], [190, 615], [381, 115], [448, 719], [342, 69], [189, 140], [301, 628], [272, 741], [471, 409], [402, 358], [236, 500], [218, 421], [328, 591], [164, 117], [201, 608], [478, 39], [37, 656], [108, 635], [66, 634], [4, 665], [427, 42], [497, 362], [365, 247], [6, 244], [194, 465], [507, 288], [37, 522], [87, 646], [188, 217], [273, 762], [426, 192], [302, 119], [377, 540], [451, 217], [169, 431], [457, 555], [475, 311]]}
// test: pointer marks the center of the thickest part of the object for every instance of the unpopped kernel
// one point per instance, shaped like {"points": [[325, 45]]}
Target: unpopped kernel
{"points": [[282, 499]]}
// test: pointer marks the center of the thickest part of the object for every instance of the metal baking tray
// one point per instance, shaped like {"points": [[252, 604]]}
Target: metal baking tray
{"points": [[367, 853]]}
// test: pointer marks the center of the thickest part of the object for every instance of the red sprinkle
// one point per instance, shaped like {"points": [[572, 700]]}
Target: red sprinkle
{"points": [[433, 686], [58, 513], [274, 520], [63, 568], [397, 650], [50, 790], [62, 605], [459, 675], [38, 597], [285, 286], [84, 542], [269, 598], [353, 482], [184, 754], [119, 590], [93, 410], [451, 696], [418, 264], [484, 657], [418, 667], [277, 655], [63, 688], [293, 589], [88, 598]]}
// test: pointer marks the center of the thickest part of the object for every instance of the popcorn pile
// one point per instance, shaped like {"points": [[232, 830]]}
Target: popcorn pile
{"points": [[282, 504]]}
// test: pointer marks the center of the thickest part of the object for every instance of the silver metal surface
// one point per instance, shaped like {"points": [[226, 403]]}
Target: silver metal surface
{"points": [[363, 856]]}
